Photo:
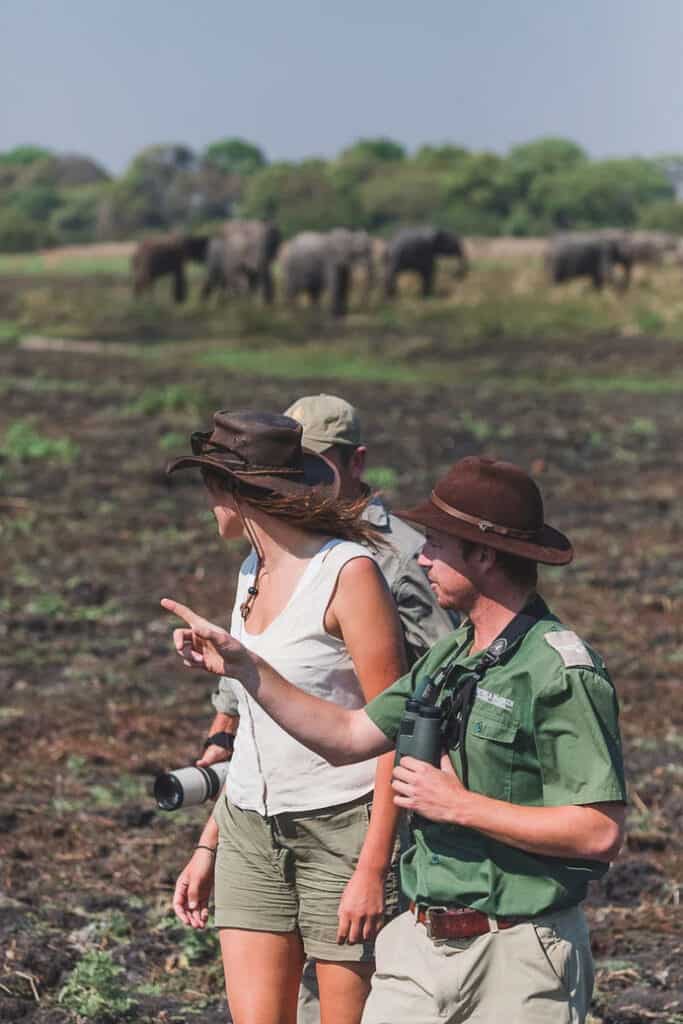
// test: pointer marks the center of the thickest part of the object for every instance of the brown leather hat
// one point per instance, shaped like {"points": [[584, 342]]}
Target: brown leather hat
{"points": [[493, 503], [263, 450]]}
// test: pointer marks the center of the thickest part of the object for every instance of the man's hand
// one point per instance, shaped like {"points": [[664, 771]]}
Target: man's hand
{"points": [[361, 909], [205, 645], [435, 793]]}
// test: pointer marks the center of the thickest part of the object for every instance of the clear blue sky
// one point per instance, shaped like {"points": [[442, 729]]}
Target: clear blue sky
{"points": [[303, 78]]}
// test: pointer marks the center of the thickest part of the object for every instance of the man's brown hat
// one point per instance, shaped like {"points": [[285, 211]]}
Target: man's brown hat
{"points": [[493, 503], [262, 450]]}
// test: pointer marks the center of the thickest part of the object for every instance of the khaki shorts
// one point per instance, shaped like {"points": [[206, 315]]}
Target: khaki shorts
{"points": [[289, 871], [537, 972]]}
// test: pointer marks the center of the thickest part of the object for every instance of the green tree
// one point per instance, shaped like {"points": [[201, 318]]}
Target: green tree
{"points": [[401, 194], [440, 158], [22, 156], [298, 197], [19, 233], [532, 160], [36, 203], [378, 150], [144, 198], [75, 220], [606, 193], [359, 163], [664, 215], [234, 156]]}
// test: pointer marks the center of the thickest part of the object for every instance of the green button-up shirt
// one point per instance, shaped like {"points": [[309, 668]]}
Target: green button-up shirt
{"points": [[543, 732]]}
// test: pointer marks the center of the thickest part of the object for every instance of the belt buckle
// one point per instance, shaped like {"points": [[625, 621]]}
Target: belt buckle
{"points": [[429, 914]]}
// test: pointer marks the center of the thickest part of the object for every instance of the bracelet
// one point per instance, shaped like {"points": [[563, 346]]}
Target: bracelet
{"points": [[211, 849], [220, 739]]}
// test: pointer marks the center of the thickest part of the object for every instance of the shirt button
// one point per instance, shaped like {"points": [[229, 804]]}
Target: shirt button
{"points": [[434, 858], [477, 726]]}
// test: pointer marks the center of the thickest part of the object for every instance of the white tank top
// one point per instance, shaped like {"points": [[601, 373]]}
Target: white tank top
{"points": [[270, 772]]}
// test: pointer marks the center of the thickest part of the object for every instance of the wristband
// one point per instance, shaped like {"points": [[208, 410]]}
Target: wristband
{"points": [[211, 849], [220, 739]]}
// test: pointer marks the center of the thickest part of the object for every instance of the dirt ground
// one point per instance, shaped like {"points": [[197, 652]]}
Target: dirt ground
{"points": [[93, 704]]}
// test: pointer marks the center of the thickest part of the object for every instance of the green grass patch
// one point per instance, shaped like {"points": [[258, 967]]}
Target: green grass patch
{"points": [[37, 264], [23, 443], [384, 478], [9, 332], [299, 363], [171, 398], [95, 988]]}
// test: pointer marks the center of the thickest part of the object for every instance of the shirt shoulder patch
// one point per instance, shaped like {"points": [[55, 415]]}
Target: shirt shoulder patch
{"points": [[570, 648]]}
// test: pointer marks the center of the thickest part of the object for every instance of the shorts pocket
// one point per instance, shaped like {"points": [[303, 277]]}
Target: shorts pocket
{"points": [[557, 953]]}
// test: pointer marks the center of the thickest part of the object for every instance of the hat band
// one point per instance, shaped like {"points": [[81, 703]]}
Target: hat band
{"points": [[239, 469], [482, 524]]}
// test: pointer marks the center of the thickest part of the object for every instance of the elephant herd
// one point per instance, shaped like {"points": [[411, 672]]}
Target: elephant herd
{"points": [[312, 263], [321, 264]]}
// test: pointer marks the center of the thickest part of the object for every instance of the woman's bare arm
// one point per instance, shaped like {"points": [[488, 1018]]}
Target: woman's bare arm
{"points": [[363, 612]]}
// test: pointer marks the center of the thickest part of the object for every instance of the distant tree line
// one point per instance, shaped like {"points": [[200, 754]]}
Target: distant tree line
{"points": [[539, 187]]}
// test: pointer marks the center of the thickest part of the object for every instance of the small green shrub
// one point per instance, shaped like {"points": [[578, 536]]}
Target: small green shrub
{"points": [[23, 443], [382, 477], [200, 945], [93, 989], [173, 441], [172, 398], [649, 321]]}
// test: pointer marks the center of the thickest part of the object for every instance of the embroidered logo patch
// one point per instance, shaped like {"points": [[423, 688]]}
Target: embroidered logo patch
{"points": [[570, 648], [493, 698]]}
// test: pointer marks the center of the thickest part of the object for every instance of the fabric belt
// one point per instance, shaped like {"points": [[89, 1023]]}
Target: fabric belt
{"points": [[458, 922]]}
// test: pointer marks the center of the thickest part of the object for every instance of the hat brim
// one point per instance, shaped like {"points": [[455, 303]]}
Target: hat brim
{"points": [[318, 474], [550, 548]]}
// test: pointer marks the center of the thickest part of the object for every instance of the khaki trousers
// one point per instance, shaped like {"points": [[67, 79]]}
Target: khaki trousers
{"points": [[533, 973]]}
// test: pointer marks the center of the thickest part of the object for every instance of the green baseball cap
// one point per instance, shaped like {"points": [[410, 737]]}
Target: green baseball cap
{"points": [[327, 420]]}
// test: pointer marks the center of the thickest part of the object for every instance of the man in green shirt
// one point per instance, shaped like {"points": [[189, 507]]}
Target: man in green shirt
{"points": [[527, 804]]}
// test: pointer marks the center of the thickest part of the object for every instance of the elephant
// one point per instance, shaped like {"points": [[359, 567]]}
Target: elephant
{"points": [[416, 249], [245, 249], [316, 261], [651, 246], [589, 254], [156, 257]]}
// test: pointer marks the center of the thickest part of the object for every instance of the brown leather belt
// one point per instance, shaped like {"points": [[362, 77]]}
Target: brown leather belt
{"points": [[457, 922]]}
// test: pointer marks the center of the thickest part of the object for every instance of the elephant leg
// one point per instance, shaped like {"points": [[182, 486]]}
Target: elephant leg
{"points": [[427, 274], [179, 284], [252, 277], [314, 293], [267, 285], [340, 291], [390, 283], [208, 285]]}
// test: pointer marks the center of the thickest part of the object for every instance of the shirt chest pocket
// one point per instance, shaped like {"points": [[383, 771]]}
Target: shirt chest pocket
{"points": [[490, 752]]}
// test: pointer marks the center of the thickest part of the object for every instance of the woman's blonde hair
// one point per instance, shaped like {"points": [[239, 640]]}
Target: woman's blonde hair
{"points": [[335, 517]]}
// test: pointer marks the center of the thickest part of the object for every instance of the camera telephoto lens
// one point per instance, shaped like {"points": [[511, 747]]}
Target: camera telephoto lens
{"points": [[186, 787]]}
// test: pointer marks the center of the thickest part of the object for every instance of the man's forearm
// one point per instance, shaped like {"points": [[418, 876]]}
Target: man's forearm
{"points": [[340, 735], [586, 831]]}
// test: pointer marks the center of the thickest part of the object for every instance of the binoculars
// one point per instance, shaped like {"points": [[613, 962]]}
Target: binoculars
{"points": [[419, 733], [186, 787]]}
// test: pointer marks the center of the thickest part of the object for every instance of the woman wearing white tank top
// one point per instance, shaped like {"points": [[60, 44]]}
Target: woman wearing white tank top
{"points": [[297, 859]]}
